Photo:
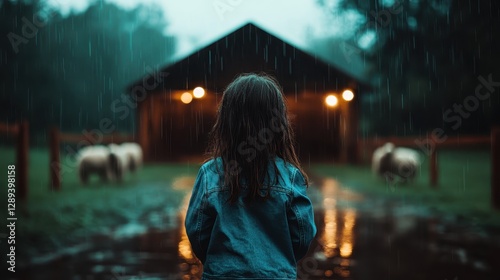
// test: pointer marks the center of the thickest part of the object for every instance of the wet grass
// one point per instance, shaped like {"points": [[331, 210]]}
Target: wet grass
{"points": [[56, 219], [39, 187], [463, 190]]}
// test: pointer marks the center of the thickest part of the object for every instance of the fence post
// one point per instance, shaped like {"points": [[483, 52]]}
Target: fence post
{"points": [[22, 159], [495, 167], [434, 167], [55, 165]]}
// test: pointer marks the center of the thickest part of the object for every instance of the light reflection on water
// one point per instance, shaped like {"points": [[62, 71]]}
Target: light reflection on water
{"points": [[330, 233], [336, 222], [347, 239], [336, 235], [190, 266], [332, 256], [351, 244], [185, 251]]}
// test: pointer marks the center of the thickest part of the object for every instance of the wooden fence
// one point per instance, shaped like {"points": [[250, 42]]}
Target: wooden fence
{"points": [[430, 146], [20, 132], [56, 138]]}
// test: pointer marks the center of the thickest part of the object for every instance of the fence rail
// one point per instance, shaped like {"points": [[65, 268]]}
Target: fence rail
{"points": [[56, 138], [20, 132], [450, 142], [430, 146], [9, 129]]}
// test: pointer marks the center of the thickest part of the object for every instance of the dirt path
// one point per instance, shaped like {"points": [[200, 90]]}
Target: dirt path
{"points": [[358, 238]]}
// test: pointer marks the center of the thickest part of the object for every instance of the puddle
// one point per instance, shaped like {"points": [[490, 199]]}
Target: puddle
{"points": [[362, 238], [358, 238]]}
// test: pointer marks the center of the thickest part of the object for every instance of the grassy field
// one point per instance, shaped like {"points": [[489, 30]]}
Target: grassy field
{"points": [[55, 219], [39, 177], [464, 185]]}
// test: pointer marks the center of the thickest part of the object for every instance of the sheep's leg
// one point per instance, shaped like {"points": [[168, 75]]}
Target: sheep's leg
{"points": [[84, 173], [132, 165], [390, 177], [109, 174], [119, 174], [114, 166], [103, 174]]}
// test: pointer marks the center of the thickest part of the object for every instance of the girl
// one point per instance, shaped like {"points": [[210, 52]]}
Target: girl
{"points": [[249, 216]]}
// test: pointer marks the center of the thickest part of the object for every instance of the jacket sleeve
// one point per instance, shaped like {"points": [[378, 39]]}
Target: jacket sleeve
{"points": [[199, 222], [300, 217]]}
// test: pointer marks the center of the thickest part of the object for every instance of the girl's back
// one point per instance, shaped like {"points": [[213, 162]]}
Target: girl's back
{"points": [[249, 215]]}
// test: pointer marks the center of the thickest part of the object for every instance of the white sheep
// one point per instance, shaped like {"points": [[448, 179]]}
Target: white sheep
{"points": [[396, 163], [378, 154], [134, 151], [119, 161], [408, 163], [94, 160]]}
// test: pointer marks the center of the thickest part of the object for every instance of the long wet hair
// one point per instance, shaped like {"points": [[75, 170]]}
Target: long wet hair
{"points": [[251, 129]]}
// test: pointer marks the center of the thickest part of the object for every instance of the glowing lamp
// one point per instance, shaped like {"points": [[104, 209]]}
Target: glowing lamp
{"points": [[331, 100], [347, 95], [198, 92], [186, 98]]}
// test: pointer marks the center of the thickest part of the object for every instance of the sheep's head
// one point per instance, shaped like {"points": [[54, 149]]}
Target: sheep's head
{"points": [[389, 147]]}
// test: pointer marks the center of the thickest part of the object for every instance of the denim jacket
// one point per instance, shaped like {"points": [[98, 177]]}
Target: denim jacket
{"points": [[256, 240]]}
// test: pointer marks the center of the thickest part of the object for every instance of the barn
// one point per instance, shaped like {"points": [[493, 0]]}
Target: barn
{"points": [[173, 124]]}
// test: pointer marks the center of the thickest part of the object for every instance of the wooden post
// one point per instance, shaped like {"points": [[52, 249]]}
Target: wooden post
{"points": [[22, 159], [55, 165], [343, 107], [434, 167], [142, 128], [495, 167], [354, 126]]}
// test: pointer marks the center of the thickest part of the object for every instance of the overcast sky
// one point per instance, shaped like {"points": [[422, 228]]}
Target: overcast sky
{"points": [[196, 23]]}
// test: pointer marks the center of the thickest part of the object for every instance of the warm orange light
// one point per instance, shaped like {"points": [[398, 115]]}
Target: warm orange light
{"points": [[198, 92], [348, 95], [186, 98], [347, 239], [330, 238], [184, 247], [331, 100]]}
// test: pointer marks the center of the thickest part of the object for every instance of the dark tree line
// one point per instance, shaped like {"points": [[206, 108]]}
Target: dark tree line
{"points": [[427, 63], [67, 71]]}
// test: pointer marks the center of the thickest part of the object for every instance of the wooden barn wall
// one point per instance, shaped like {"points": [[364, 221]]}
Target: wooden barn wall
{"points": [[171, 130], [175, 130]]}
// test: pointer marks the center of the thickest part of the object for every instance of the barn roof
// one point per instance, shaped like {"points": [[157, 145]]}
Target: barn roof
{"points": [[251, 49]]}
